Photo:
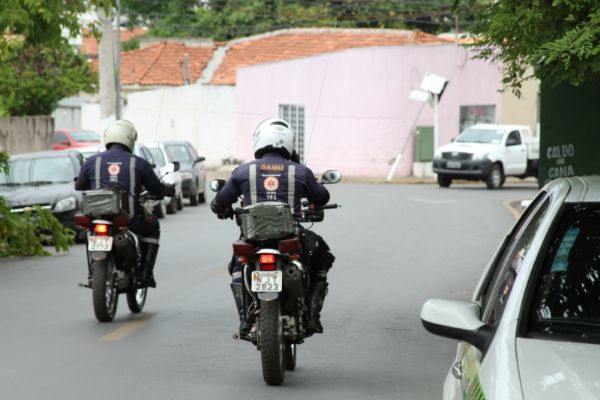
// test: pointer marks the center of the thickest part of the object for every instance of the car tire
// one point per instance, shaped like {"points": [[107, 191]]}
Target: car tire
{"points": [[180, 202], [444, 181], [495, 178], [172, 206], [160, 210], [201, 198], [194, 197]]}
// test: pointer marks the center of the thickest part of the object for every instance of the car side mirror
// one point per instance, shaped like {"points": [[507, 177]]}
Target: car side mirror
{"points": [[173, 166], [217, 184], [331, 176], [199, 159], [456, 319], [65, 142], [153, 165], [453, 140]]}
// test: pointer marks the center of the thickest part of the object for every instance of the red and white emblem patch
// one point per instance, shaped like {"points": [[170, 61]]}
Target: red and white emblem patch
{"points": [[271, 184], [114, 169]]}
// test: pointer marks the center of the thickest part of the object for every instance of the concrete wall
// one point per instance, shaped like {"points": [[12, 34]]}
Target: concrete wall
{"points": [[201, 114], [358, 115], [26, 134], [523, 110]]}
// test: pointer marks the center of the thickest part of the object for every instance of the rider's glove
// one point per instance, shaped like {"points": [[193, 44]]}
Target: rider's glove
{"points": [[228, 213]]}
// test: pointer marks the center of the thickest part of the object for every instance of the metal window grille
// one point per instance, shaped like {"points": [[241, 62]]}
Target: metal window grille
{"points": [[294, 115]]}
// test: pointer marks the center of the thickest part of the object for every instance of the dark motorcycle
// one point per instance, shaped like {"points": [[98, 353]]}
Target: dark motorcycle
{"points": [[275, 280], [114, 254]]}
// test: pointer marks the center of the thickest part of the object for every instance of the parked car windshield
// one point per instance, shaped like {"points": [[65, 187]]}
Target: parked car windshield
{"points": [[158, 156], [85, 136], [471, 135], [566, 303], [179, 153], [39, 171]]}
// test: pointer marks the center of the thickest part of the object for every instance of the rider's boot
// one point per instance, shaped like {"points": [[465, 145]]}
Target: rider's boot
{"points": [[318, 292], [238, 296], [150, 252]]}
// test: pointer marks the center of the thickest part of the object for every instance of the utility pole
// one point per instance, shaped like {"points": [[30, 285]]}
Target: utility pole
{"points": [[106, 55], [118, 63]]}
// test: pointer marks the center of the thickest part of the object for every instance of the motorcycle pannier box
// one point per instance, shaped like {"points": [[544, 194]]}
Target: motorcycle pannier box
{"points": [[105, 202], [269, 220]]}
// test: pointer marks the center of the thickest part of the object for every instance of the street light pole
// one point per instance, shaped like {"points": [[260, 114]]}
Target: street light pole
{"points": [[118, 63], [436, 120]]}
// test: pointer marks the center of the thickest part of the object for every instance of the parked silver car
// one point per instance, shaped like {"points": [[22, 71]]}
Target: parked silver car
{"points": [[193, 174], [162, 159]]}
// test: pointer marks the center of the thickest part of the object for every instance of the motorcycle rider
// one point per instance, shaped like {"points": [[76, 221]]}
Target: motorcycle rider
{"points": [[276, 175], [118, 168]]}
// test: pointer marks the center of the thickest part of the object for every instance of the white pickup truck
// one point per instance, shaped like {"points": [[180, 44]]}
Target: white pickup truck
{"points": [[488, 153]]}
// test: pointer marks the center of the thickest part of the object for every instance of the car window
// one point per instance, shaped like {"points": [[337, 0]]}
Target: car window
{"points": [[515, 137], [510, 262], [566, 302], [55, 169], [147, 155], [19, 171], [158, 156], [85, 136], [179, 152], [60, 137]]}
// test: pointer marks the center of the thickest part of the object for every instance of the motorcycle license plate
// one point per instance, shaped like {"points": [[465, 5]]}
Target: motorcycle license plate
{"points": [[100, 243], [454, 164], [266, 281]]}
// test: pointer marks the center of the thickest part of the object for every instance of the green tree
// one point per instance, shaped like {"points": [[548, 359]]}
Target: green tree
{"points": [[560, 39], [228, 19]]}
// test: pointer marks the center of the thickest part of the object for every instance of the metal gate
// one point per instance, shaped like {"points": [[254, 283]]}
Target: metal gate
{"points": [[68, 113]]}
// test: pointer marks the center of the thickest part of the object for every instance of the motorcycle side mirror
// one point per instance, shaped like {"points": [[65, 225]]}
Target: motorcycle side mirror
{"points": [[217, 184], [331, 176], [173, 167], [199, 159]]}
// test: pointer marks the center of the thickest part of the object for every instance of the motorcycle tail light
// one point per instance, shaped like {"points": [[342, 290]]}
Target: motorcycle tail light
{"points": [[289, 246], [121, 221], [267, 267], [82, 220], [243, 249], [101, 229], [267, 259]]}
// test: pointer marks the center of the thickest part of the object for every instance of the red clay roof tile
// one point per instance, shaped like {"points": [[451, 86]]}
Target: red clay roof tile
{"points": [[89, 45], [162, 64], [297, 43]]}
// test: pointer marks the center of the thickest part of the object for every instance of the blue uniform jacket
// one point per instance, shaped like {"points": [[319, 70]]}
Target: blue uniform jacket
{"points": [[272, 178], [118, 168]]}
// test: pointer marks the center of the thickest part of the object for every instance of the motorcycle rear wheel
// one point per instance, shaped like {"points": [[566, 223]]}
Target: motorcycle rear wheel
{"points": [[136, 299], [272, 345], [105, 296]]}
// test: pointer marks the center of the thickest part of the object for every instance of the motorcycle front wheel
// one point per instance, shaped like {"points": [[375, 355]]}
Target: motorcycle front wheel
{"points": [[290, 356], [136, 299], [272, 346], [104, 291]]}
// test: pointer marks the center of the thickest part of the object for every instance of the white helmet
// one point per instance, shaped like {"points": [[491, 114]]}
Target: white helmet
{"points": [[273, 134], [120, 131]]}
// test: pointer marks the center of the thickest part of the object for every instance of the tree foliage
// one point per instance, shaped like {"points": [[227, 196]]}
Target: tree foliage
{"points": [[228, 19], [37, 65], [559, 38]]}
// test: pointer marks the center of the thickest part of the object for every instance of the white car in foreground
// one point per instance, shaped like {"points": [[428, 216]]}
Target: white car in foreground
{"points": [[532, 329]]}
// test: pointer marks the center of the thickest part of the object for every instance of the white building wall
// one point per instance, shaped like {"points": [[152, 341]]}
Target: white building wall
{"points": [[200, 114]]}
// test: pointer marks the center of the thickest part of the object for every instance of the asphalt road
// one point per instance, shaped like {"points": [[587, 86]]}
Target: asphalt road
{"points": [[396, 246]]}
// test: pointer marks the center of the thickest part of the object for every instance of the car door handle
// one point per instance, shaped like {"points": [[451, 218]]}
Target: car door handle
{"points": [[457, 370]]}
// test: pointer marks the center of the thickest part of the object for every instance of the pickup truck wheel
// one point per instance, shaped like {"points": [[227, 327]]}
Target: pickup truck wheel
{"points": [[495, 178], [444, 181]]}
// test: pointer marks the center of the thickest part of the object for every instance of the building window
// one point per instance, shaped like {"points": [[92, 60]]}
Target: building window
{"points": [[294, 115], [471, 115]]}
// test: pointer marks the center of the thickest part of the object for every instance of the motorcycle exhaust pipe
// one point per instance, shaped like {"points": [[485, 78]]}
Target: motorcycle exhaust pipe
{"points": [[124, 247], [293, 281]]}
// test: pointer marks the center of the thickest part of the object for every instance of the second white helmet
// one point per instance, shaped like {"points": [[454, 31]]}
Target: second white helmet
{"points": [[273, 134], [120, 131]]}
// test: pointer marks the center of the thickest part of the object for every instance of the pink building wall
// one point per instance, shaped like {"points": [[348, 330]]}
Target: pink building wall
{"points": [[357, 111]]}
